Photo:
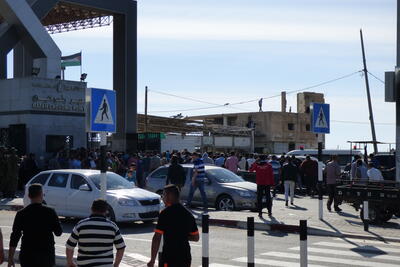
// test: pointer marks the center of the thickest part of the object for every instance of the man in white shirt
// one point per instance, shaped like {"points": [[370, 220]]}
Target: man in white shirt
{"points": [[373, 173], [250, 161]]}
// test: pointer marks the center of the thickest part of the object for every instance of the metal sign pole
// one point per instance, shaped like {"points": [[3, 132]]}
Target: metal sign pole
{"points": [[320, 179], [103, 168]]}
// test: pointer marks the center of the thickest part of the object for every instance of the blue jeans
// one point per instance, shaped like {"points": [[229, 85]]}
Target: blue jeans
{"points": [[198, 184]]}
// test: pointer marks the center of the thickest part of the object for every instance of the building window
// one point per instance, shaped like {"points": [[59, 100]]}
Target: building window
{"points": [[219, 121], [308, 127], [290, 126], [232, 121]]}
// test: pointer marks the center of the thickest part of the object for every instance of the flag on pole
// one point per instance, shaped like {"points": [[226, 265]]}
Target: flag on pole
{"points": [[72, 60]]}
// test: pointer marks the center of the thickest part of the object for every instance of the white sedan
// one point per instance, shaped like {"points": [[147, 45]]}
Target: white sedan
{"points": [[71, 193]]}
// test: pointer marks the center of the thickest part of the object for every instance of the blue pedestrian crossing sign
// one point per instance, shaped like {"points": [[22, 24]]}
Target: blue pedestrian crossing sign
{"points": [[320, 119], [102, 110]]}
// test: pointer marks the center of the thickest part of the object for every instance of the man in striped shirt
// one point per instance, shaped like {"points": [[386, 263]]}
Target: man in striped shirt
{"points": [[199, 174], [96, 237]]}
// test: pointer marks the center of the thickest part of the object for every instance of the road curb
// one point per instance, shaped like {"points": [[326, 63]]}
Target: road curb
{"points": [[11, 207], [288, 228]]}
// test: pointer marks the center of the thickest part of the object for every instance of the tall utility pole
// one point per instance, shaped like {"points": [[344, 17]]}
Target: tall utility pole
{"points": [[145, 118], [371, 114], [397, 92]]}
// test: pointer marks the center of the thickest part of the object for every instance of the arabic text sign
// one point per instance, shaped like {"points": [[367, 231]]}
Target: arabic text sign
{"points": [[102, 110], [320, 118]]}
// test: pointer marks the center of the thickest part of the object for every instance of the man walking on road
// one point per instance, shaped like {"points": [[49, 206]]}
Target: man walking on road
{"points": [[289, 177], [309, 169], [198, 181], [264, 181], [178, 227], [96, 237], [36, 224], [176, 173], [231, 163], [276, 167], [332, 171]]}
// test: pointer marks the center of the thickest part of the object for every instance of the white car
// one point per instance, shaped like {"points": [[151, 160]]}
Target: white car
{"points": [[71, 193]]}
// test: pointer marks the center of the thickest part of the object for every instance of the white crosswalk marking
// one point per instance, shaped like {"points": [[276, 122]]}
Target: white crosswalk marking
{"points": [[219, 265], [139, 257], [346, 262], [280, 262], [366, 248], [375, 242], [336, 252], [361, 254]]}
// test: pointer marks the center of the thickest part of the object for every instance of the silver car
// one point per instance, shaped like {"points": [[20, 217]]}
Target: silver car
{"points": [[225, 190]]}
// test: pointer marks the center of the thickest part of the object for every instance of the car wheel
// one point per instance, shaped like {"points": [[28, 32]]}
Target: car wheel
{"points": [[225, 202], [373, 215], [386, 216], [110, 214]]}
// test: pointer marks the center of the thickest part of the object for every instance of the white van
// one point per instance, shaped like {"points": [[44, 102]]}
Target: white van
{"points": [[344, 156]]}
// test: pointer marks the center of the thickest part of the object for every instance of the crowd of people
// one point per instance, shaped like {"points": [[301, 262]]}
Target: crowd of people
{"points": [[272, 173], [16, 171]]}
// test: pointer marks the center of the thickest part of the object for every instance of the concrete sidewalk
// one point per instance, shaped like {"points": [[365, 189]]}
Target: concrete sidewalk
{"points": [[286, 219]]}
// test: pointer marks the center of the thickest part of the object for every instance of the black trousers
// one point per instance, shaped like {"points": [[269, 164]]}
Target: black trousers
{"points": [[331, 188], [37, 259], [311, 183], [264, 190]]}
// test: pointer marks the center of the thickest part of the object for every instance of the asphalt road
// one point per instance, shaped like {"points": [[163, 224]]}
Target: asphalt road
{"points": [[228, 247]]}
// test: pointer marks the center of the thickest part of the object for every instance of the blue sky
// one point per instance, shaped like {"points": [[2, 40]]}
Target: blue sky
{"points": [[226, 51]]}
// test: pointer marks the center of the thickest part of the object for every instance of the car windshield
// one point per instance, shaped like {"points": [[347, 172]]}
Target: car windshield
{"points": [[223, 175], [114, 181]]}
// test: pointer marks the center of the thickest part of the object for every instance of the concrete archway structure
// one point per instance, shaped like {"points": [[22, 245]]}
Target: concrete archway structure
{"points": [[124, 14]]}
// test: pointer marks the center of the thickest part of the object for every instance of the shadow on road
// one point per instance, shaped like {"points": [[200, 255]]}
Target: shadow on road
{"points": [[295, 207]]}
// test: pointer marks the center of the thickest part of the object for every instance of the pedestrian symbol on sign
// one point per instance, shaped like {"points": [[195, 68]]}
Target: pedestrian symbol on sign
{"points": [[321, 121], [104, 115]]}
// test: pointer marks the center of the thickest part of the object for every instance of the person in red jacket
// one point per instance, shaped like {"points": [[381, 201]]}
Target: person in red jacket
{"points": [[264, 180]]}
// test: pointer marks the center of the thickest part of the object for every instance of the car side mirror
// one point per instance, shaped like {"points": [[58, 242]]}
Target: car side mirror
{"points": [[84, 187]]}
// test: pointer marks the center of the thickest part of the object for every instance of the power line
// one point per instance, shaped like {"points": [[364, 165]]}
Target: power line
{"points": [[184, 97], [195, 100], [253, 100], [362, 122], [376, 77], [182, 110], [327, 82]]}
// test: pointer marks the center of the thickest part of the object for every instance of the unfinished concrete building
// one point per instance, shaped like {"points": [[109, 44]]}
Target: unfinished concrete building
{"points": [[274, 131]]}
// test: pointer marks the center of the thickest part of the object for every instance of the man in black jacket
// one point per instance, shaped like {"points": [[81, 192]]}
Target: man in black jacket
{"points": [[36, 223], [289, 177], [176, 173]]}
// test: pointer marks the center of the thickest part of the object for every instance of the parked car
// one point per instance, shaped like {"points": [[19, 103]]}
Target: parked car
{"points": [[225, 190], [71, 193]]}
